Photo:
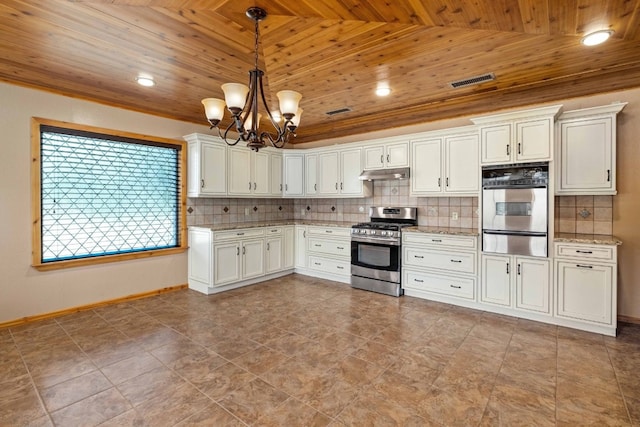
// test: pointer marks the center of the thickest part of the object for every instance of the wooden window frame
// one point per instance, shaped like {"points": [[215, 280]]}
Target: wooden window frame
{"points": [[36, 207]]}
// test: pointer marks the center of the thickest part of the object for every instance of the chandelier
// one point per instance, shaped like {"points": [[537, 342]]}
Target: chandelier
{"points": [[242, 101]]}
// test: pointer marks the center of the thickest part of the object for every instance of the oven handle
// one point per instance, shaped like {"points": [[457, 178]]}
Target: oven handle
{"points": [[513, 187], [515, 233], [376, 241]]}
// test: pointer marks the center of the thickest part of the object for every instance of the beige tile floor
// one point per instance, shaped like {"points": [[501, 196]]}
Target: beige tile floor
{"points": [[299, 351]]}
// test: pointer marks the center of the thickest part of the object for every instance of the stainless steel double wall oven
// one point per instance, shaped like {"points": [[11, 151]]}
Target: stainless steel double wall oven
{"points": [[515, 209]]}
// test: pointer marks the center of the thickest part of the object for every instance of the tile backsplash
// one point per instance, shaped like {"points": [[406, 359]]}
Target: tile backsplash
{"points": [[584, 214], [432, 211]]}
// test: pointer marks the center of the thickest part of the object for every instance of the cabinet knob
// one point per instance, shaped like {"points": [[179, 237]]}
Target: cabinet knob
{"points": [[268, 246], [336, 185], [518, 269], [508, 150], [439, 180], [202, 183], [381, 158], [388, 158], [315, 187], [507, 268], [255, 185], [519, 148], [237, 251], [447, 181], [280, 187], [608, 175]]}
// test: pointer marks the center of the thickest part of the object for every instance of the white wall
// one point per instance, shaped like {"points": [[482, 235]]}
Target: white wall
{"points": [[25, 291]]}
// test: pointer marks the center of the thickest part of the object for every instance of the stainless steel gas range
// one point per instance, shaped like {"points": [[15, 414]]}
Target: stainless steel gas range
{"points": [[376, 250]]}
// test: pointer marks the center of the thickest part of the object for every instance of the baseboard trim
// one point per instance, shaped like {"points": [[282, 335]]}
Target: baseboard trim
{"points": [[72, 310], [629, 319]]}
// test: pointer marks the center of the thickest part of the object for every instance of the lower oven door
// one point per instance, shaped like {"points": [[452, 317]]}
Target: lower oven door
{"points": [[376, 261], [528, 244]]}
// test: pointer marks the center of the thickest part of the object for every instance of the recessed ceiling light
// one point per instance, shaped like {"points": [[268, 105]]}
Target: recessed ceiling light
{"points": [[146, 81], [596, 37], [383, 91]]}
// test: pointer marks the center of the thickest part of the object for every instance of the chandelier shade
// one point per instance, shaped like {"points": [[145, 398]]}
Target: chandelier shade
{"points": [[242, 101]]}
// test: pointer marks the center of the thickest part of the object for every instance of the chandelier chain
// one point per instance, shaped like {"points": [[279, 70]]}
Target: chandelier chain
{"points": [[257, 44]]}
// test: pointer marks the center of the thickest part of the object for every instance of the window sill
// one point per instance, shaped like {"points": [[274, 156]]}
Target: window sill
{"points": [[58, 265]]}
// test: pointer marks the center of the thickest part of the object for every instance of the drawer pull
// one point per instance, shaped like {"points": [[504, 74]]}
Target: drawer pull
{"points": [[317, 263], [339, 267], [456, 260], [328, 231], [339, 247], [584, 266], [583, 252], [436, 240], [239, 234], [418, 280], [456, 286], [317, 245], [275, 230], [419, 256]]}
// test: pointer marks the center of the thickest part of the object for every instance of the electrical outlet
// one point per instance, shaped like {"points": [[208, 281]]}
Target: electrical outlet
{"points": [[246, 211], [454, 216], [303, 212], [361, 209]]}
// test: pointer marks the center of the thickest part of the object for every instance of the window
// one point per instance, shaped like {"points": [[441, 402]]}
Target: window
{"points": [[102, 195]]}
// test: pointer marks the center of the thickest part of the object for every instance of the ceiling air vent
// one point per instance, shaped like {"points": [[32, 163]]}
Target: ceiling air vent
{"points": [[470, 81], [339, 111]]}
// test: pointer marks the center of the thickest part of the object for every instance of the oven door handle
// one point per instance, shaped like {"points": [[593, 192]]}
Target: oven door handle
{"points": [[513, 187], [515, 233]]}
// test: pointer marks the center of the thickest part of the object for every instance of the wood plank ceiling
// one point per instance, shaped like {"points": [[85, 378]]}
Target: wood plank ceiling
{"points": [[334, 52]]}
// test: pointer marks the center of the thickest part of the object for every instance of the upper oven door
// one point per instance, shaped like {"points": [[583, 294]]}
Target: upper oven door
{"points": [[377, 256], [515, 209]]}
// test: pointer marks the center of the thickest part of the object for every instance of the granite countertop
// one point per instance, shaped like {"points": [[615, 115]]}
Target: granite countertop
{"points": [[444, 230], [592, 239], [273, 223]]}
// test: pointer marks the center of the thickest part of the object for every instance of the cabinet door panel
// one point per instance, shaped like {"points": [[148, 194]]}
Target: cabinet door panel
{"points": [[200, 256], [275, 169], [586, 155], [328, 173], [496, 143], [252, 258], [288, 253], [239, 161], [274, 254], [260, 178], [294, 175], [301, 246], [214, 169], [397, 155], [462, 166], [226, 263], [374, 157], [533, 140], [496, 286], [585, 291], [532, 284], [350, 170], [426, 169], [311, 174]]}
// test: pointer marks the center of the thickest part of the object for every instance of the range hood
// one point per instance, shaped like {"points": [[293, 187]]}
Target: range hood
{"points": [[384, 174]]}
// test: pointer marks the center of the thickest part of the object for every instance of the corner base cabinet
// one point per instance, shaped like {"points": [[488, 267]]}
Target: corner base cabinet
{"points": [[586, 287], [228, 259]]}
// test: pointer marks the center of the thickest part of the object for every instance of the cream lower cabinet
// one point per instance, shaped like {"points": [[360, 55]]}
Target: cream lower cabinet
{"points": [[227, 259], [521, 283], [438, 267], [300, 247], [586, 286], [329, 252]]}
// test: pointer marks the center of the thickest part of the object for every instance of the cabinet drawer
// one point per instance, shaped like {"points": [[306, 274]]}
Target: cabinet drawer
{"points": [[586, 252], [330, 231], [329, 247], [238, 234], [439, 284], [467, 242], [459, 262], [330, 265]]}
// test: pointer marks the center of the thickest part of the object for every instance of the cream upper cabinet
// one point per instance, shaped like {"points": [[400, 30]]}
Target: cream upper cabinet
{"points": [[248, 172], [445, 165], [586, 153], [293, 174], [350, 170], [516, 137], [310, 174], [338, 173], [389, 155], [207, 166], [328, 173], [276, 172]]}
